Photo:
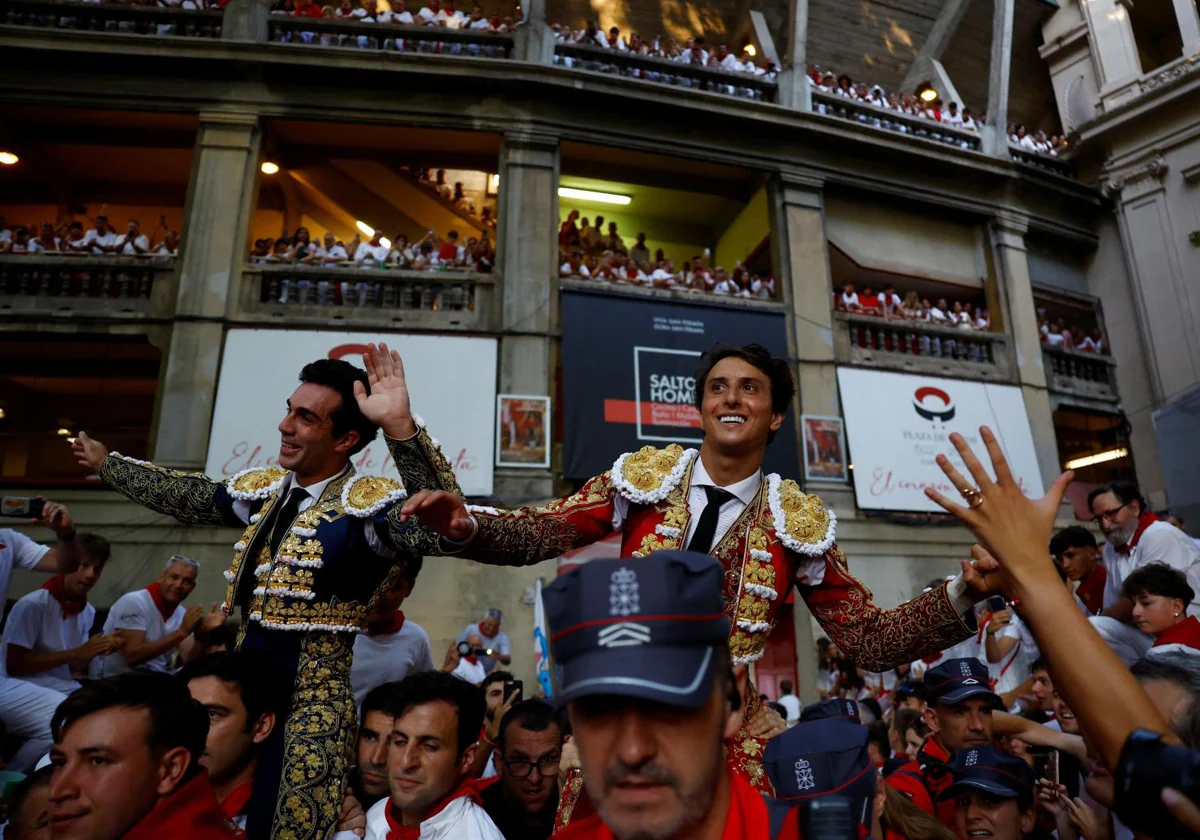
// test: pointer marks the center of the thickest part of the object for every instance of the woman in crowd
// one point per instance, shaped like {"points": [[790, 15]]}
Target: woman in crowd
{"points": [[1160, 596]]}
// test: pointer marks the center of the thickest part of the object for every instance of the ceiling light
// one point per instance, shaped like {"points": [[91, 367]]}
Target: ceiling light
{"points": [[496, 181], [385, 242], [8, 158], [750, 50], [1098, 458], [592, 195], [2, 414], [64, 432], [72, 440], [926, 91], [269, 168], [365, 228]]}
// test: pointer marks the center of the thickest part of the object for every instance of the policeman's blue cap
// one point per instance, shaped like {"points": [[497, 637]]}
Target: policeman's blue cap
{"points": [[844, 709], [955, 680], [649, 627], [822, 758], [990, 770]]}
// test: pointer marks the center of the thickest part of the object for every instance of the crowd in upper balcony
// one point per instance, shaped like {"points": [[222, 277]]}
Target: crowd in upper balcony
{"points": [[434, 182], [1038, 142], [597, 252], [888, 304], [102, 240], [693, 50], [436, 13], [430, 253], [1058, 333]]}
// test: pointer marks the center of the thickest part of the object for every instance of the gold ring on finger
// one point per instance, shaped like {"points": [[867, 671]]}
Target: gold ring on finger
{"points": [[972, 497]]}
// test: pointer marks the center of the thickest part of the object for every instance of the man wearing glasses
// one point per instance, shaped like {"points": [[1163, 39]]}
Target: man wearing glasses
{"points": [[1136, 537], [523, 801]]}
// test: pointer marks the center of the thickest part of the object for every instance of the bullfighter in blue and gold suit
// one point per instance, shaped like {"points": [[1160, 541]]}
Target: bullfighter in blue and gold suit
{"points": [[320, 543]]}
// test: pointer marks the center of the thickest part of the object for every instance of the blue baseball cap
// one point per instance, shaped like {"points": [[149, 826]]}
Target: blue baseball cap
{"points": [[955, 680], [650, 627], [844, 709], [990, 770], [822, 758]]}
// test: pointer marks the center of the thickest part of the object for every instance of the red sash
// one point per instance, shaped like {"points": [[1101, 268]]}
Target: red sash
{"points": [[156, 595], [1186, 632]]}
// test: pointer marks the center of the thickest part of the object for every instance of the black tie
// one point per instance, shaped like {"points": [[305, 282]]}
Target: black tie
{"points": [[706, 529], [284, 514], [287, 514]]}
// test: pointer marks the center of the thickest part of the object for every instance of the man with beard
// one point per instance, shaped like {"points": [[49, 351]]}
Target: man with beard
{"points": [[959, 715], [238, 690], [652, 698], [319, 545], [523, 801], [1136, 537]]}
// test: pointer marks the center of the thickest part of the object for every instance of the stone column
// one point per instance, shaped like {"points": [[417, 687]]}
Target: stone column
{"points": [[527, 256], [794, 91], [220, 198], [534, 40], [1010, 262], [995, 136], [1114, 51], [246, 20], [1189, 25]]}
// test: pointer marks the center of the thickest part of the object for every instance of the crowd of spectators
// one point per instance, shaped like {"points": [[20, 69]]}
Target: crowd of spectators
{"points": [[430, 253], [694, 50], [888, 304], [436, 13], [1057, 333], [1038, 141], [596, 252], [100, 240], [435, 182]]}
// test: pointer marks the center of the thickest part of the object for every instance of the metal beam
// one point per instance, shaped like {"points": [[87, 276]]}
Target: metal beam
{"points": [[995, 137]]}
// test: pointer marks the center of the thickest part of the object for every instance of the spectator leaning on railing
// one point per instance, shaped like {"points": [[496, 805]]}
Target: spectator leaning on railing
{"points": [[100, 241]]}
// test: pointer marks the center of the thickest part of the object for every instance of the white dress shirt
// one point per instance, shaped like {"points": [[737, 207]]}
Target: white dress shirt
{"points": [[1161, 542]]}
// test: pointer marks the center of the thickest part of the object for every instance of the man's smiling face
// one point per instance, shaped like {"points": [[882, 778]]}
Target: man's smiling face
{"points": [[736, 411]]}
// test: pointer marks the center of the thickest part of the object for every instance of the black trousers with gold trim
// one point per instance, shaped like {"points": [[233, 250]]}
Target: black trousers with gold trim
{"points": [[301, 776]]}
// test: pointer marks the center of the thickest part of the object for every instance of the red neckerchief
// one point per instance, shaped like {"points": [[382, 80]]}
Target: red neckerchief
{"points": [[398, 831], [474, 660], [1186, 632], [392, 626], [55, 586], [156, 594], [1091, 589], [1144, 521], [191, 811], [235, 803]]}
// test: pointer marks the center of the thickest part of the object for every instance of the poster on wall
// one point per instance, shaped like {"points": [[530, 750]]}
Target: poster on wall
{"points": [[628, 366], [898, 423], [522, 431], [260, 370], [824, 448]]}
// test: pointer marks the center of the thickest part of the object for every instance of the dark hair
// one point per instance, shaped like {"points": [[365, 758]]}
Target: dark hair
{"points": [[176, 720], [877, 733], [16, 799], [910, 690], [873, 705], [378, 699], [494, 677], [341, 376], [221, 636], [253, 674], [904, 720], [1039, 664], [438, 686], [785, 687], [95, 547], [1125, 491], [533, 714], [1074, 537], [1158, 579], [783, 387]]}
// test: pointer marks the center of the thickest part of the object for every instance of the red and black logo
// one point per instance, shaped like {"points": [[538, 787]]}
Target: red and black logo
{"points": [[933, 404]]}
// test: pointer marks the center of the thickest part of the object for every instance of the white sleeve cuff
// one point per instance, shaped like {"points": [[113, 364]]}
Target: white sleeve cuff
{"points": [[957, 590]]}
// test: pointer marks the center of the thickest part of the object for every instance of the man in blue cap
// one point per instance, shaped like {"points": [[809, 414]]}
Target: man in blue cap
{"points": [[642, 662], [960, 702], [834, 707], [992, 794], [825, 761]]}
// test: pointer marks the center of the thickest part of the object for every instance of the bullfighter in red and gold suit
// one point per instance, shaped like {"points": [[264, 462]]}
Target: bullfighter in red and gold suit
{"points": [[765, 530]]}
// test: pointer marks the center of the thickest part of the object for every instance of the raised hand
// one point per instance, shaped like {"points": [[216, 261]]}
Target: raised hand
{"points": [[89, 453], [765, 723], [97, 646], [214, 619], [441, 512], [982, 574], [388, 403], [56, 517], [1014, 529], [192, 619]]}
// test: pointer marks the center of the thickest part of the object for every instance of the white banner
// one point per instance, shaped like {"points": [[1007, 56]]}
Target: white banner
{"points": [[451, 380], [898, 423]]}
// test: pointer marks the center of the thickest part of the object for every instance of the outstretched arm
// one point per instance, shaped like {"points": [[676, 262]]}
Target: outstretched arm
{"points": [[191, 498]]}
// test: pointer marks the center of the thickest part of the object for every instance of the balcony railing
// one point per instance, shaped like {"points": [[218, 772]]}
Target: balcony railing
{"points": [[1080, 374], [919, 347], [108, 287], [421, 299], [664, 71], [609, 287], [1046, 163], [393, 37], [889, 120], [111, 17]]}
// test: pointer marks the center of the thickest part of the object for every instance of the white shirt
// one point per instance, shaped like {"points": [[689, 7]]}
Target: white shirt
{"points": [[389, 657], [481, 24], [452, 20], [128, 249], [792, 703], [499, 643], [461, 819], [371, 253], [36, 623], [108, 240], [937, 316], [850, 301], [1054, 339], [472, 672], [335, 254], [402, 17], [137, 611], [1161, 542], [17, 550], [427, 15]]}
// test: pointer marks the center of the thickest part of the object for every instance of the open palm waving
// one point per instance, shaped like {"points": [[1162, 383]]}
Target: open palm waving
{"points": [[388, 403]]}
